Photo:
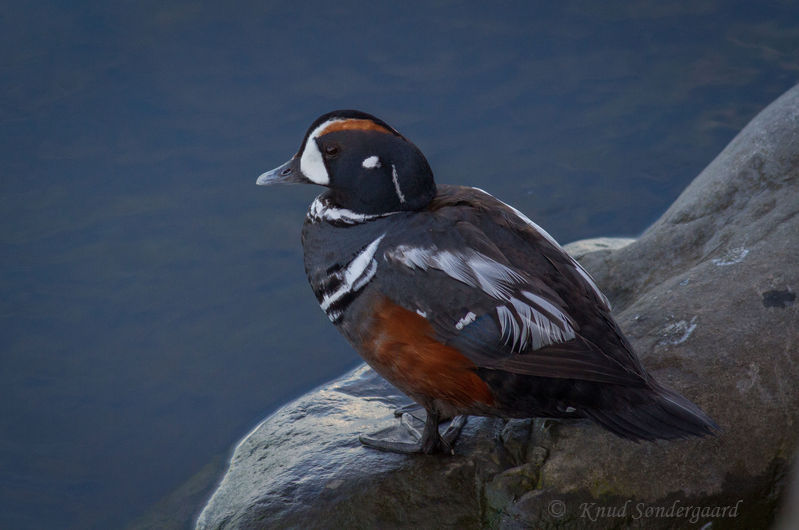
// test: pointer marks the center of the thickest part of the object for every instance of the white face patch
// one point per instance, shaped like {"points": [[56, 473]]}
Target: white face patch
{"points": [[311, 163], [371, 163], [395, 177]]}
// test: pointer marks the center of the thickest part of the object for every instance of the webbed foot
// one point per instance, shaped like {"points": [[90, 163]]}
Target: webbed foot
{"points": [[407, 439]]}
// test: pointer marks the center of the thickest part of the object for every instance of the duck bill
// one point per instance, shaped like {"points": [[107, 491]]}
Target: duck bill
{"points": [[288, 173]]}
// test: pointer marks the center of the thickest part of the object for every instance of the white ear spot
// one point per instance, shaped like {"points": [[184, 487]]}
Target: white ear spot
{"points": [[371, 163]]}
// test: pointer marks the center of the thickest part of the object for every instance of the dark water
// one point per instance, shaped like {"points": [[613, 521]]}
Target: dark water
{"points": [[153, 305]]}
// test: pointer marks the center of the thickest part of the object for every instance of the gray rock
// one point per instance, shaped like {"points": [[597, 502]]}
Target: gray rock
{"points": [[580, 248], [706, 296], [304, 467], [788, 518]]}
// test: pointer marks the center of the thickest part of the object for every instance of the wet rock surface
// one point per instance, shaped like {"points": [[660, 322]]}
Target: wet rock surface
{"points": [[706, 296]]}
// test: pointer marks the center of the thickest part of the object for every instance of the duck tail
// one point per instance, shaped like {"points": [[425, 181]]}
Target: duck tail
{"points": [[654, 413]]}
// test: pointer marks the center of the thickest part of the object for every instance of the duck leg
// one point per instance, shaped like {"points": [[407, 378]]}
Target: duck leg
{"points": [[426, 442], [430, 440], [410, 408], [452, 432]]}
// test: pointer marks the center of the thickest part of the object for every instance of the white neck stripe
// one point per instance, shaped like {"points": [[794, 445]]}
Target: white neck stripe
{"points": [[395, 179], [321, 210]]}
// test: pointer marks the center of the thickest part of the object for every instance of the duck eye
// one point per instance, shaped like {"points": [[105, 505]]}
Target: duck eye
{"points": [[331, 151]]}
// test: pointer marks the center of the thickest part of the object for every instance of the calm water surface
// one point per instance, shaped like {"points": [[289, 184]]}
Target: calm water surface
{"points": [[153, 305]]}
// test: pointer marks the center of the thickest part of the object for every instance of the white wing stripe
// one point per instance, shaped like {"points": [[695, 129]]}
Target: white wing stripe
{"points": [[494, 278], [544, 304], [508, 327], [545, 234], [538, 328], [472, 268], [526, 321]]}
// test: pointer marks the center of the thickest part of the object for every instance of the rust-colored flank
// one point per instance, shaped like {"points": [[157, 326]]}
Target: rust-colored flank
{"points": [[354, 125], [403, 349]]}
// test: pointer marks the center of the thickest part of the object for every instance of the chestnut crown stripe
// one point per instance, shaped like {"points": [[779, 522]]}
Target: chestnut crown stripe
{"points": [[353, 125]]}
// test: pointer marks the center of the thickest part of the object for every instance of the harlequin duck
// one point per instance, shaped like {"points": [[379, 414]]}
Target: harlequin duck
{"points": [[460, 300]]}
